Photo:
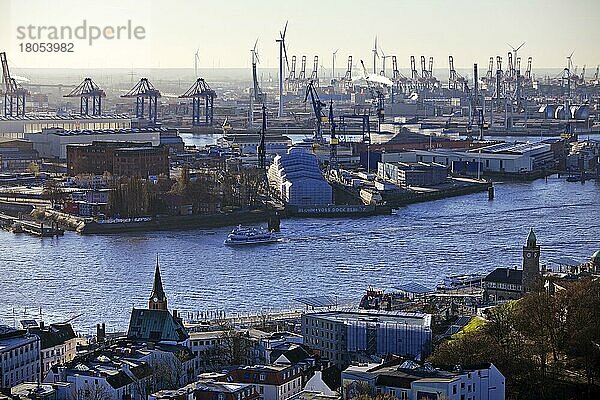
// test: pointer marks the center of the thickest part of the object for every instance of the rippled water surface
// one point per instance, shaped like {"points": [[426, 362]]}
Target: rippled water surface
{"points": [[102, 277]]}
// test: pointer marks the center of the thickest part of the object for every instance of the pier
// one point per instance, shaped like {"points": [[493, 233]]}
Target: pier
{"points": [[16, 225]]}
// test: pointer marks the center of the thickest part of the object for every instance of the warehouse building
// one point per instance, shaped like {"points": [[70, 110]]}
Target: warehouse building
{"points": [[118, 158], [413, 174], [503, 157], [17, 127], [53, 142]]}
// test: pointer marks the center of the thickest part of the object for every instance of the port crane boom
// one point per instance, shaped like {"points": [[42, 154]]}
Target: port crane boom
{"points": [[317, 106]]}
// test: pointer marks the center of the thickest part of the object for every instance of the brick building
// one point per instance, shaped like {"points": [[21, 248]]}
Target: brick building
{"points": [[118, 158]]}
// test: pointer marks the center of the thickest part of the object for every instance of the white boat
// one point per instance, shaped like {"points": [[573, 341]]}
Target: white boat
{"points": [[244, 236]]}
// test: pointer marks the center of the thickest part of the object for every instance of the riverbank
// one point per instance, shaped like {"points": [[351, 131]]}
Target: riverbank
{"points": [[86, 226]]}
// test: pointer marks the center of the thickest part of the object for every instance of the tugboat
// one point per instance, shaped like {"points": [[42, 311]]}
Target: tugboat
{"points": [[244, 236]]}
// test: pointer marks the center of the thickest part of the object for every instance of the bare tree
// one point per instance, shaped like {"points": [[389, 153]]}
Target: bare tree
{"points": [[93, 392]]}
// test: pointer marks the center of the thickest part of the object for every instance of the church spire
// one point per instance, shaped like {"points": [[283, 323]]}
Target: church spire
{"points": [[158, 298]]}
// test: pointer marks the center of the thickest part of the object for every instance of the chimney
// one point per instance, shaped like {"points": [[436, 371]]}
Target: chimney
{"points": [[175, 314], [507, 272], [41, 324]]}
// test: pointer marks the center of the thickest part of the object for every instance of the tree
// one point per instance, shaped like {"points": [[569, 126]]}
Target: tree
{"points": [[231, 348], [53, 192], [34, 168], [90, 391]]}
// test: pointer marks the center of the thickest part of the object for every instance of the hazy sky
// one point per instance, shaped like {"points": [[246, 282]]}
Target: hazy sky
{"points": [[224, 31]]}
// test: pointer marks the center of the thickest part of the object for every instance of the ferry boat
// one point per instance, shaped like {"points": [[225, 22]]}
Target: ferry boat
{"points": [[244, 236]]}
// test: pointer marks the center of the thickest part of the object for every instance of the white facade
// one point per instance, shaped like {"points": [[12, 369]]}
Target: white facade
{"points": [[19, 357], [16, 127], [297, 178], [482, 383], [60, 354]]}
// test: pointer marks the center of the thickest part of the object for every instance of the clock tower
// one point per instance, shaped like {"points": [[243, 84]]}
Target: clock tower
{"points": [[158, 298], [531, 262]]}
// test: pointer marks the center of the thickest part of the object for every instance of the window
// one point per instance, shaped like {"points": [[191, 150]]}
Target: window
{"points": [[453, 389], [262, 377], [221, 396]]}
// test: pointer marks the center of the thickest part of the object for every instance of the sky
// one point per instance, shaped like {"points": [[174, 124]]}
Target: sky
{"points": [[224, 31]]}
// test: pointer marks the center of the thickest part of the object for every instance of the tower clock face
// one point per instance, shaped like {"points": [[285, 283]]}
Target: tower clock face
{"points": [[528, 256], [155, 299]]}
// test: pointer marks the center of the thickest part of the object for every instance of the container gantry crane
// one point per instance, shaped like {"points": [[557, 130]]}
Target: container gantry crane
{"points": [[87, 90], [144, 91], [200, 92], [14, 95]]}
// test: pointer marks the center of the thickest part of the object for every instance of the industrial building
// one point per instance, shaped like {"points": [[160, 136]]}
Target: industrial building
{"points": [[52, 143], [118, 158], [412, 380], [17, 155], [16, 127], [500, 158], [297, 179], [344, 336], [413, 174]]}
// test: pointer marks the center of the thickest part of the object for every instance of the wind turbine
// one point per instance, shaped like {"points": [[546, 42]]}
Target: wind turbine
{"points": [[196, 60], [383, 58], [515, 50], [333, 66], [375, 56], [569, 62], [257, 94], [282, 55]]}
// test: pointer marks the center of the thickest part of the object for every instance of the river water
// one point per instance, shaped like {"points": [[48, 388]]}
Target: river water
{"points": [[102, 277]]}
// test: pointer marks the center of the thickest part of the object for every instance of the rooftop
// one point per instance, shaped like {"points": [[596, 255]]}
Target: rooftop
{"points": [[346, 316], [62, 132]]}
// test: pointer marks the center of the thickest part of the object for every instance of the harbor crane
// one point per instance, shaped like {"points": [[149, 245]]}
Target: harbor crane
{"points": [[317, 106], [400, 81], [333, 140], [314, 76], [291, 82], [14, 94], [200, 92], [377, 95], [144, 91], [302, 74], [347, 79], [262, 149], [86, 91], [455, 80]]}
